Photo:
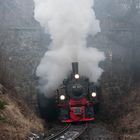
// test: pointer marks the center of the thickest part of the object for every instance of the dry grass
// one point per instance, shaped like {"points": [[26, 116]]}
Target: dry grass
{"points": [[17, 121], [129, 124]]}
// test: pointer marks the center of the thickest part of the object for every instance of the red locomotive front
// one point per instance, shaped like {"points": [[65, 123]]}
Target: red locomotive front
{"points": [[77, 98]]}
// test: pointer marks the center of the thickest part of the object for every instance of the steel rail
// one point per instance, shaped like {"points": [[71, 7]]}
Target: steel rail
{"points": [[72, 132], [86, 126], [59, 133]]}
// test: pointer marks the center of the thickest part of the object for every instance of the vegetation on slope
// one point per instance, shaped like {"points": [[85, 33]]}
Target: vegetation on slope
{"points": [[17, 121]]}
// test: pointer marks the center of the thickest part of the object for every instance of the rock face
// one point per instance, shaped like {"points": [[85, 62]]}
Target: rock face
{"points": [[22, 45], [119, 38], [16, 13]]}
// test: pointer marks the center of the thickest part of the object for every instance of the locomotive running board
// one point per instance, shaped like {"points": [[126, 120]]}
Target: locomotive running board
{"points": [[83, 120]]}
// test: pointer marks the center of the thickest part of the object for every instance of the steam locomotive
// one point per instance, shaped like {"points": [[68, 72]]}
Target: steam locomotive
{"points": [[75, 100]]}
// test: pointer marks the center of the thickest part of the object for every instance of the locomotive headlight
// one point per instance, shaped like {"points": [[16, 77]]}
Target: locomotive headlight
{"points": [[76, 76], [62, 97], [93, 94]]}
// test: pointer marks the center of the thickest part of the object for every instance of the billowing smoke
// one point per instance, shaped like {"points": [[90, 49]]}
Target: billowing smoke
{"points": [[69, 22]]}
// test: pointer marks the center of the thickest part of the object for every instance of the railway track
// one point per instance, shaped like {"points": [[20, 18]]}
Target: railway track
{"points": [[69, 132]]}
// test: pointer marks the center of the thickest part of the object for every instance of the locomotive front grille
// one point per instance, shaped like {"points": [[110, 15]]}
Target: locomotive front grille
{"points": [[77, 110]]}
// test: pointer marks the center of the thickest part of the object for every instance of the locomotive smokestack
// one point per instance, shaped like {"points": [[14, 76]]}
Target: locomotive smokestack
{"points": [[75, 67]]}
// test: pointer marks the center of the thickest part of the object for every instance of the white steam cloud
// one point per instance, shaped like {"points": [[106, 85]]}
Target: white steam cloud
{"points": [[69, 22]]}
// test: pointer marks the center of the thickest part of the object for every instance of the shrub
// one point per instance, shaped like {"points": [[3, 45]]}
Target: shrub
{"points": [[2, 104], [2, 119]]}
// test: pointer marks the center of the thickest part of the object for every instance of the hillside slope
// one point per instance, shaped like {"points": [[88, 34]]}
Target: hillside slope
{"points": [[17, 121], [129, 124]]}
